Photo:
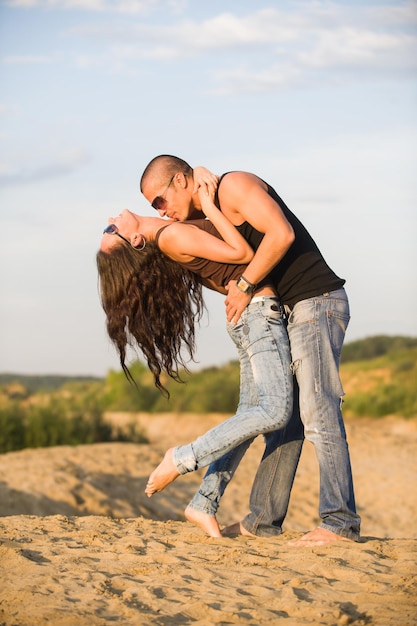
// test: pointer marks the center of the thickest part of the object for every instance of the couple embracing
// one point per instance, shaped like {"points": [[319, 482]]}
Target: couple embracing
{"points": [[287, 313]]}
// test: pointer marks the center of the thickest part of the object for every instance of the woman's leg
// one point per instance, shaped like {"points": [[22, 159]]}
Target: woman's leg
{"points": [[203, 507], [262, 334]]}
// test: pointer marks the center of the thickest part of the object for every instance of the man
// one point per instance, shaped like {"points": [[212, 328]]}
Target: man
{"points": [[318, 314]]}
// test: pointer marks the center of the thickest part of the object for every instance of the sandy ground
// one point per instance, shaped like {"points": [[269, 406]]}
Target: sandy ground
{"points": [[80, 544]]}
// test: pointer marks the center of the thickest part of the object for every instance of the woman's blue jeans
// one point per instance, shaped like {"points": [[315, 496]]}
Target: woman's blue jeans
{"points": [[266, 386], [316, 329]]}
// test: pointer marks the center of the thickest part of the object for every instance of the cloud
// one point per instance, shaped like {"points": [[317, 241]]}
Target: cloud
{"points": [[25, 60], [114, 6], [44, 168], [336, 57], [286, 47], [6, 109], [295, 45]]}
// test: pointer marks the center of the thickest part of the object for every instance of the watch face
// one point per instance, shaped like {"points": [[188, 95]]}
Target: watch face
{"points": [[243, 285]]}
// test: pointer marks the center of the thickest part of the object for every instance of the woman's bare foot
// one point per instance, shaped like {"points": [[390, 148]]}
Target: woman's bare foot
{"points": [[317, 537], [163, 475], [207, 522], [236, 529]]}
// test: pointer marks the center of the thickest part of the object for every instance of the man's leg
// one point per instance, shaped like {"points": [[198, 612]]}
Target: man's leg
{"points": [[316, 328], [273, 481]]}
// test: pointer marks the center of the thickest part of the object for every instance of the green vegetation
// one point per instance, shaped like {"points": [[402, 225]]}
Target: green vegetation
{"points": [[379, 375], [382, 386], [211, 390], [33, 384], [372, 347], [70, 416]]}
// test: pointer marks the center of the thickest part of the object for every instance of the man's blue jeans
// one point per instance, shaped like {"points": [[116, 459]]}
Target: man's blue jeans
{"points": [[316, 328], [266, 387]]}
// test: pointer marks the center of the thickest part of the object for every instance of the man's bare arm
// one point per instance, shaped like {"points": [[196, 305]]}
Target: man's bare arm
{"points": [[244, 197]]}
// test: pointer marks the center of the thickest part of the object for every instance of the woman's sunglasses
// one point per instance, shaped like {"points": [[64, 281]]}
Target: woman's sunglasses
{"points": [[112, 229]]}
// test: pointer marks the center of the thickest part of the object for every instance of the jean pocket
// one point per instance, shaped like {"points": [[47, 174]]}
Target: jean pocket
{"points": [[302, 313], [337, 324]]}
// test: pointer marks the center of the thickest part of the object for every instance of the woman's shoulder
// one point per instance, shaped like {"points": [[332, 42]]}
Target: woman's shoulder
{"points": [[174, 233], [160, 231]]}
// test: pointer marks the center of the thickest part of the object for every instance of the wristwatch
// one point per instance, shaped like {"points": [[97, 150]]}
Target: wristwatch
{"points": [[245, 286]]}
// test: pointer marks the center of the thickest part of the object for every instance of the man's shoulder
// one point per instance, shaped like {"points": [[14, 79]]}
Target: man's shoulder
{"points": [[238, 175], [237, 184]]}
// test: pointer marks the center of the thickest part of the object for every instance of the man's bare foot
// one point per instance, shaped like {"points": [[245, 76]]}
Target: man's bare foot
{"points": [[317, 537], [207, 522], [236, 529], [163, 475]]}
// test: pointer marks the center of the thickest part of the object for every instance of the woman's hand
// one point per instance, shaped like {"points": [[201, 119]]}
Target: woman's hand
{"points": [[205, 180], [206, 196]]}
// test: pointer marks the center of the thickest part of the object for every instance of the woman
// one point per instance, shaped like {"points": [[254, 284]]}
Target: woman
{"points": [[151, 276]]}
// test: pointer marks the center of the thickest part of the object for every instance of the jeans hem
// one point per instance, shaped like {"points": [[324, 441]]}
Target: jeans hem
{"points": [[184, 459], [207, 509], [259, 532], [347, 534]]}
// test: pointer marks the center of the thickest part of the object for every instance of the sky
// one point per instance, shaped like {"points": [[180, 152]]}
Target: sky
{"points": [[316, 97]]}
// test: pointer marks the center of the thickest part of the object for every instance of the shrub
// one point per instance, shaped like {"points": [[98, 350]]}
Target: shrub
{"points": [[12, 428], [53, 424]]}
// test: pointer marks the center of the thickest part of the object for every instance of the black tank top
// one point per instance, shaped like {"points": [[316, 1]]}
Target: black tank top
{"points": [[302, 273]]}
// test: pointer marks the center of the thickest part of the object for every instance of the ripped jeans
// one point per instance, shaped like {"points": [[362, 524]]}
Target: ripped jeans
{"points": [[266, 386], [316, 329]]}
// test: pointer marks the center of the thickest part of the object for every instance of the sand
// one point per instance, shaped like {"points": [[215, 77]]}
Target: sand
{"points": [[80, 543]]}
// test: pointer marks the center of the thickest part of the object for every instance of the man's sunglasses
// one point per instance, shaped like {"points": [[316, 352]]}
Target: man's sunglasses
{"points": [[159, 203], [112, 229]]}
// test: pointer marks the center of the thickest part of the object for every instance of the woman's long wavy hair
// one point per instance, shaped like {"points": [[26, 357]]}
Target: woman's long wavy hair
{"points": [[151, 303]]}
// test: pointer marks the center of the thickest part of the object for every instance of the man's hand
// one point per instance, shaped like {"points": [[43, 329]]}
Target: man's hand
{"points": [[236, 302], [205, 179]]}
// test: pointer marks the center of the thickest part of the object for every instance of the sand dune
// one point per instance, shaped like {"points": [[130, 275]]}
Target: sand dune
{"points": [[80, 544]]}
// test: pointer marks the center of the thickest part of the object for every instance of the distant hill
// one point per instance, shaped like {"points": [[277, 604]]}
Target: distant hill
{"points": [[45, 382], [379, 376], [376, 346]]}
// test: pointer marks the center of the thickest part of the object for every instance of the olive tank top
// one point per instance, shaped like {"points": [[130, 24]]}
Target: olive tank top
{"points": [[219, 273]]}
